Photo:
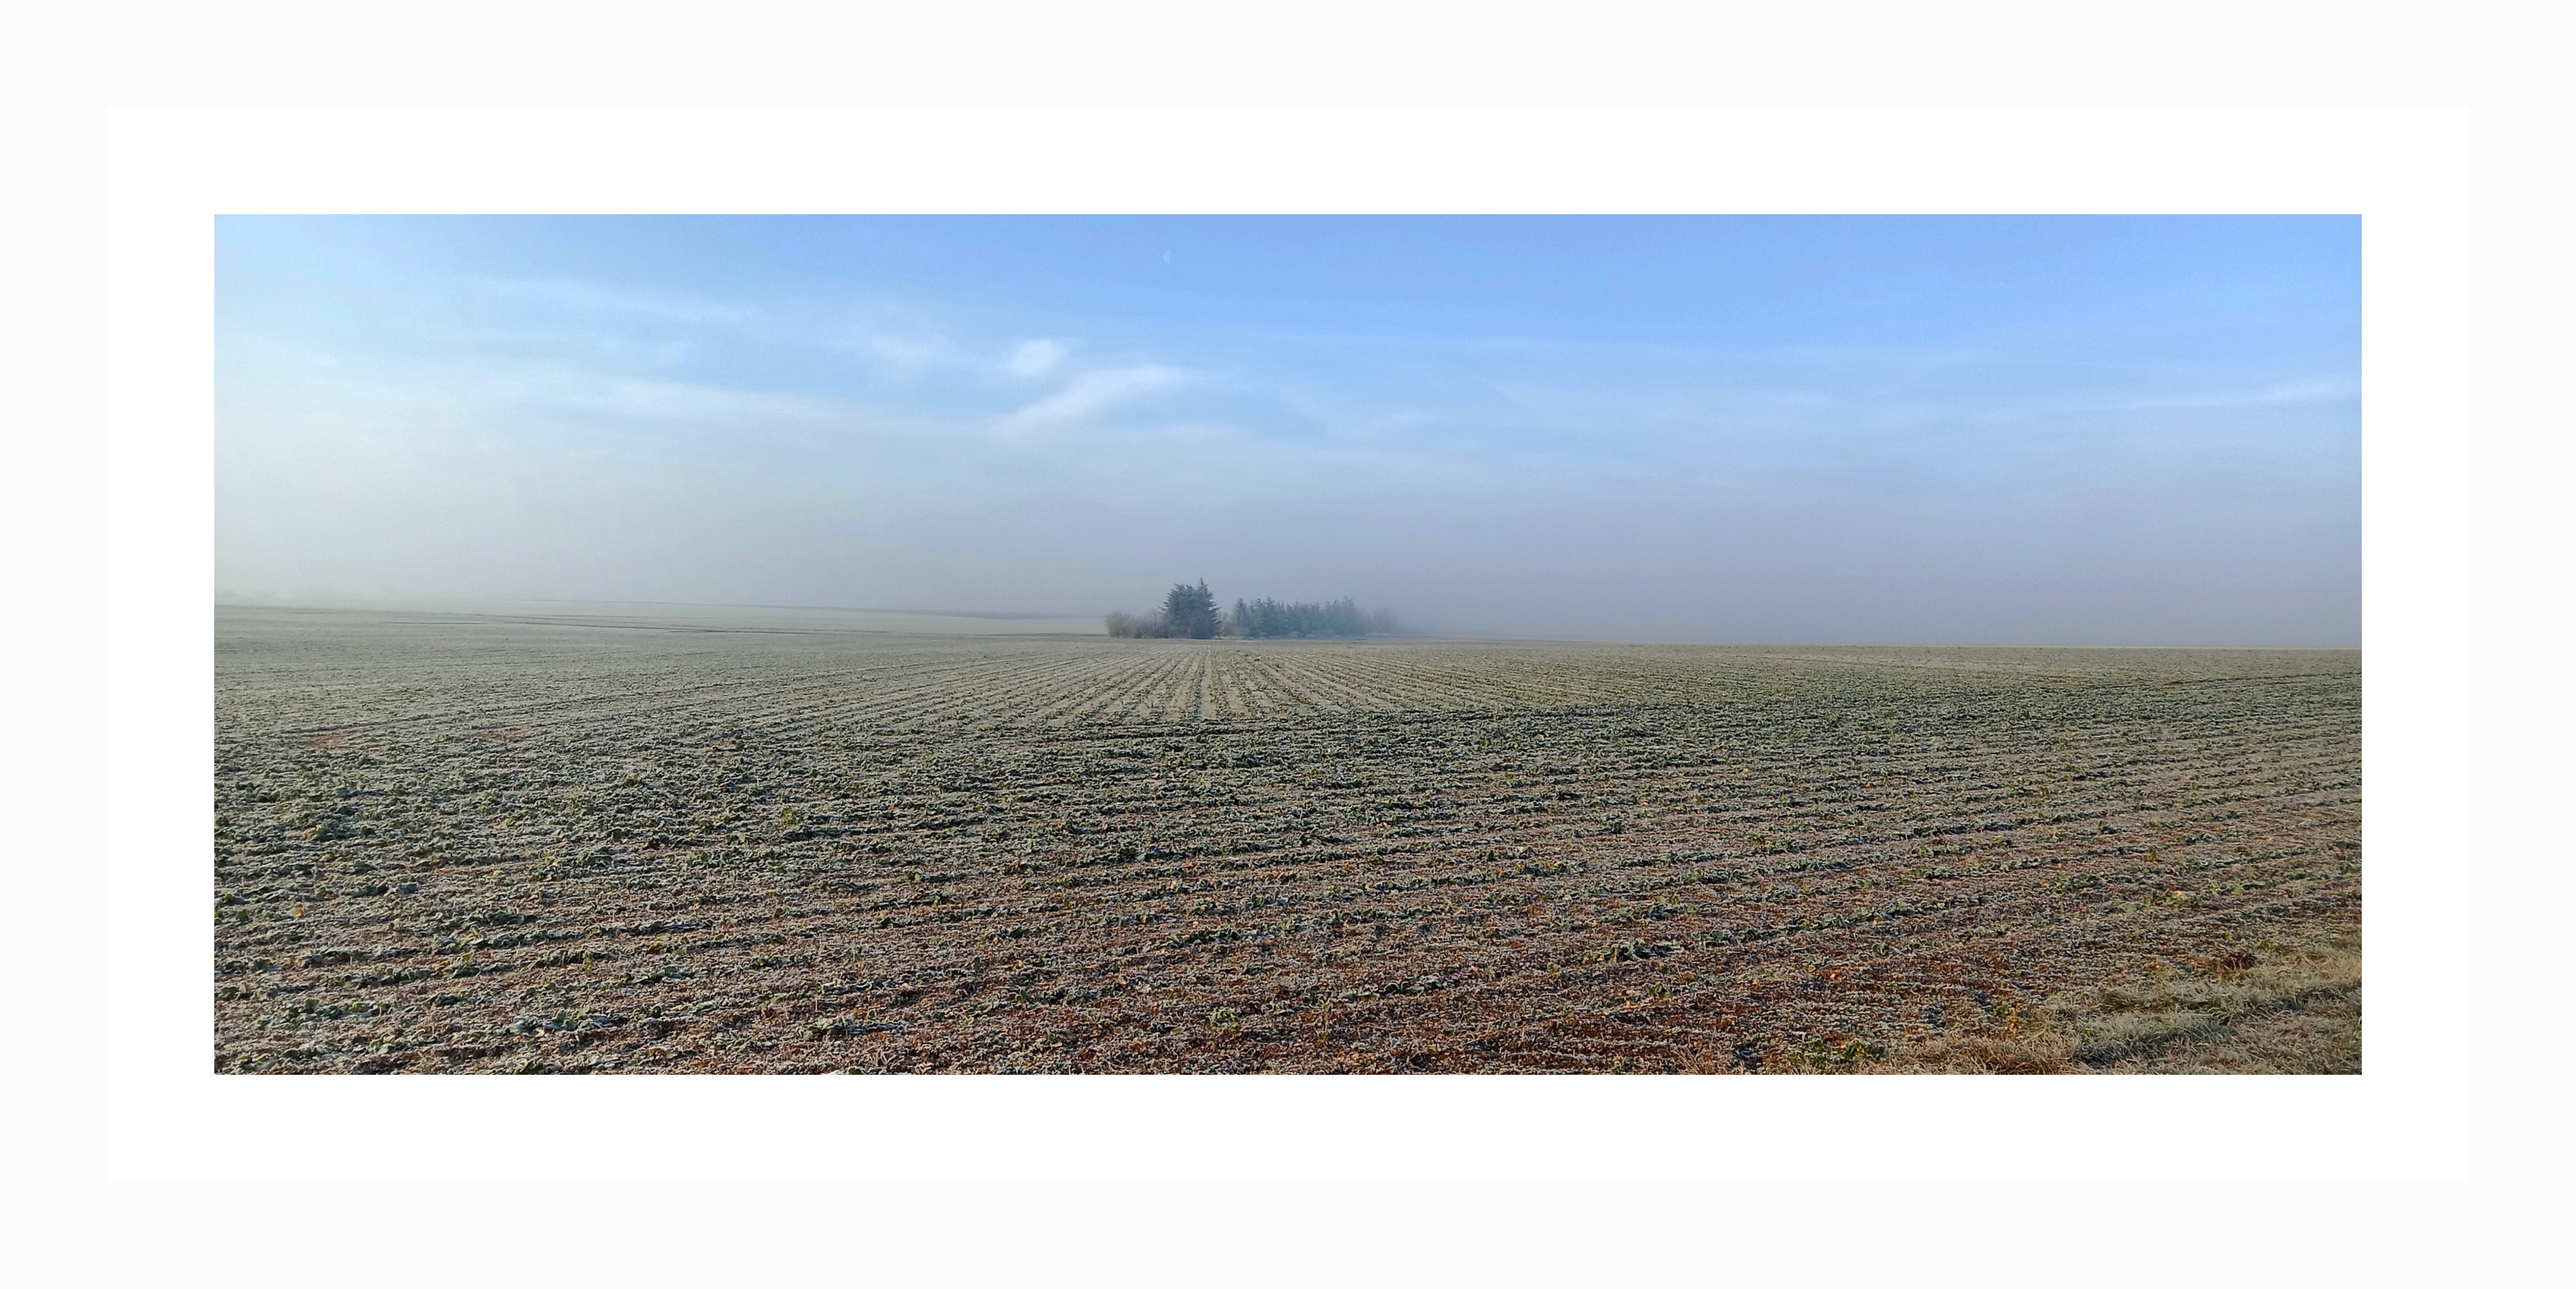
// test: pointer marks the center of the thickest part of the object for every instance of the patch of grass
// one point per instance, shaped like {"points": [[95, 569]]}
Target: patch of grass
{"points": [[2292, 1009]]}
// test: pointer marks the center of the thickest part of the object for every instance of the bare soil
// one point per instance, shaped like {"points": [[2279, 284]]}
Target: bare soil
{"points": [[449, 842]]}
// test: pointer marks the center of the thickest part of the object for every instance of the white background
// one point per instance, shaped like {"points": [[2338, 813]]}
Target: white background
{"points": [[137, 125]]}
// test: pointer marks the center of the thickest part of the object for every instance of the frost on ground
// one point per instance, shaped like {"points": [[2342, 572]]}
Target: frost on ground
{"points": [[451, 842]]}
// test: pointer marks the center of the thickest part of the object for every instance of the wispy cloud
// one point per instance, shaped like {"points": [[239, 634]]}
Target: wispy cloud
{"points": [[908, 354], [1032, 359], [660, 402], [1094, 392], [2320, 389], [914, 350], [595, 300]]}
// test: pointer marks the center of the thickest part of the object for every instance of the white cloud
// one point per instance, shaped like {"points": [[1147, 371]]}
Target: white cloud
{"points": [[1094, 392], [1035, 358]]}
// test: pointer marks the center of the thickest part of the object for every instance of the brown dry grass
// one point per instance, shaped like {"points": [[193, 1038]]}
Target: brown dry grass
{"points": [[2269, 1009]]}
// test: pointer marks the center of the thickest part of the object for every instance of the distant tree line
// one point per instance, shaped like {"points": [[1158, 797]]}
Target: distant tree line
{"points": [[1190, 613], [1340, 619]]}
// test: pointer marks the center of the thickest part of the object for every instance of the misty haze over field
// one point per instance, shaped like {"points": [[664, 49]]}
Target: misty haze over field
{"points": [[2042, 430]]}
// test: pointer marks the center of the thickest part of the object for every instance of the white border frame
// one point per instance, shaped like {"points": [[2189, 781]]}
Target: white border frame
{"points": [[2405, 171]]}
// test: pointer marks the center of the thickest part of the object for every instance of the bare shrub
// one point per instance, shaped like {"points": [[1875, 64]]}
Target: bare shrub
{"points": [[1134, 626]]}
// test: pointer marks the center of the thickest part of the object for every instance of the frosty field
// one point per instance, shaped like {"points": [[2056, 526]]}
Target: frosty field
{"points": [[452, 841]]}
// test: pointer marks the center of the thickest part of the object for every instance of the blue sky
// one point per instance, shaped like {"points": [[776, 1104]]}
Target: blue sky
{"points": [[2029, 429]]}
